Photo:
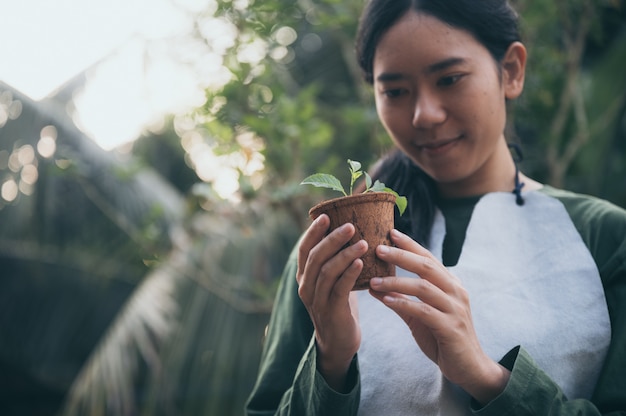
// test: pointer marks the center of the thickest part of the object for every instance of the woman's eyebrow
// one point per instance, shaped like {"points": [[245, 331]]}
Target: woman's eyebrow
{"points": [[390, 76], [446, 63], [436, 67]]}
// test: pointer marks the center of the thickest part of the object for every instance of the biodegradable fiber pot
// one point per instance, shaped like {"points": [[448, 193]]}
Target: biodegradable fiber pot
{"points": [[371, 213]]}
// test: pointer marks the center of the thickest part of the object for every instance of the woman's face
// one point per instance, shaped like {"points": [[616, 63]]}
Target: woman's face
{"points": [[441, 98]]}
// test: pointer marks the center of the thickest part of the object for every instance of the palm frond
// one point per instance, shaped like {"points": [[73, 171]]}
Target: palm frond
{"points": [[200, 354], [107, 383], [72, 248]]}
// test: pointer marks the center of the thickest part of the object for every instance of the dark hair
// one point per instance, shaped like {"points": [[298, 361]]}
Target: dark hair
{"points": [[398, 172], [492, 22]]}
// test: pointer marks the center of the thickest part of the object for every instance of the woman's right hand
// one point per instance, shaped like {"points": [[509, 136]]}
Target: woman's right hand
{"points": [[326, 275]]}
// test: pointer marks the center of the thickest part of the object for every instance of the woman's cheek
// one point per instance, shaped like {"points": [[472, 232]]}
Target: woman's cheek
{"points": [[392, 121]]}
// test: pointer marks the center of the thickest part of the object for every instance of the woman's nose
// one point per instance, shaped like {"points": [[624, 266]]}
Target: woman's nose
{"points": [[428, 111]]}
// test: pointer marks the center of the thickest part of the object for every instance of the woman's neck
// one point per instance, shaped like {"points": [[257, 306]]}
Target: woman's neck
{"points": [[496, 175]]}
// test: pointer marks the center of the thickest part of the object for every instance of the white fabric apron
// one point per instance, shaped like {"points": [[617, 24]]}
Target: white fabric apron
{"points": [[531, 282]]}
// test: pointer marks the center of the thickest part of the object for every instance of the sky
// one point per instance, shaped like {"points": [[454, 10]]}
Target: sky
{"points": [[129, 48]]}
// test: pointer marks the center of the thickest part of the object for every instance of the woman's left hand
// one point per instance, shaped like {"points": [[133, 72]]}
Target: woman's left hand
{"points": [[436, 308]]}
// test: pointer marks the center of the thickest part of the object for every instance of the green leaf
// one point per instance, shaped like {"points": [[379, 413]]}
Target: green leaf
{"points": [[324, 180], [378, 187], [368, 181], [356, 175], [354, 166], [355, 171], [401, 201]]}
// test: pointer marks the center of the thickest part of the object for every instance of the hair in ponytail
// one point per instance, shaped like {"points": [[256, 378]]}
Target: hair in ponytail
{"points": [[398, 172]]}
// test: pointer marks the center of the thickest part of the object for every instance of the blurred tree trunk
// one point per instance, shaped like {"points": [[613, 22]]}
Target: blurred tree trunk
{"points": [[576, 30], [575, 88]]}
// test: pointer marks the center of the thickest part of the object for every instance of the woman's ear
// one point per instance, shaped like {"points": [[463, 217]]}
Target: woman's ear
{"points": [[514, 70]]}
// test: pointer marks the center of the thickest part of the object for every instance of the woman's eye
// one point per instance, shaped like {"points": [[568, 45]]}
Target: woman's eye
{"points": [[393, 92], [449, 80]]}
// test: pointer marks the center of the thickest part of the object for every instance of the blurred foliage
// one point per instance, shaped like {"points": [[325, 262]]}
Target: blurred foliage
{"points": [[306, 102], [571, 116], [303, 99]]}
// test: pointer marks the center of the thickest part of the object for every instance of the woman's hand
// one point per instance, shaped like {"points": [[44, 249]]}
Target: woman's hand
{"points": [[437, 310], [326, 275]]}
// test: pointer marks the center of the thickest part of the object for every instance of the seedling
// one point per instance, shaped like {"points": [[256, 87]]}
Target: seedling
{"points": [[325, 180]]}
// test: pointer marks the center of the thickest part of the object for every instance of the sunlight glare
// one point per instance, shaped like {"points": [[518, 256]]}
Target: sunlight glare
{"points": [[228, 184], [279, 53], [220, 34], [29, 174], [14, 163], [9, 190], [26, 188], [241, 4], [26, 155], [253, 52], [285, 36], [149, 63], [45, 51], [223, 171], [120, 100], [10, 109], [46, 146]]}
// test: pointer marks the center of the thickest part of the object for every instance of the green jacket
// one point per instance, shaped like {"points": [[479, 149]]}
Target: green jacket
{"points": [[288, 383]]}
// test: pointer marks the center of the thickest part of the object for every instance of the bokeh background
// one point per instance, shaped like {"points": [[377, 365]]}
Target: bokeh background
{"points": [[150, 156]]}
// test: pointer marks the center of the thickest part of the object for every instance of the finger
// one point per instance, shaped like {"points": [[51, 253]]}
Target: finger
{"points": [[344, 268], [410, 309], [424, 266], [319, 255], [422, 289], [313, 235], [330, 245], [405, 242], [411, 256], [348, 279]]}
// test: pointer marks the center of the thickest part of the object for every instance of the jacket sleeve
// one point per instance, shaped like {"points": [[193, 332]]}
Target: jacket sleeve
{"points": [[531, 392], [288, 382]]}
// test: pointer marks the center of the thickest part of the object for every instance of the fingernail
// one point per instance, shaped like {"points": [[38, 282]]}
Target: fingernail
{"points": [[376, 281], [389, 299], [345, 229], [382, 249]]}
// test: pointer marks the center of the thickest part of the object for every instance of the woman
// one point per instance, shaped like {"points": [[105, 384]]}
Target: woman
{"points": [[544, 270]]}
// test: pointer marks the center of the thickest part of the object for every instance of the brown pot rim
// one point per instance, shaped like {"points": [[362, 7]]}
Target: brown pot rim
{"points": [[354, 199]]}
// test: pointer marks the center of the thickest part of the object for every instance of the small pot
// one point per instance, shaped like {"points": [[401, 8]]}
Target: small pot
{"points": [[371, 213]]}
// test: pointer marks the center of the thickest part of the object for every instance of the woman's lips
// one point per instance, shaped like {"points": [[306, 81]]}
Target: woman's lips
{"points": [[439, 146]]}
